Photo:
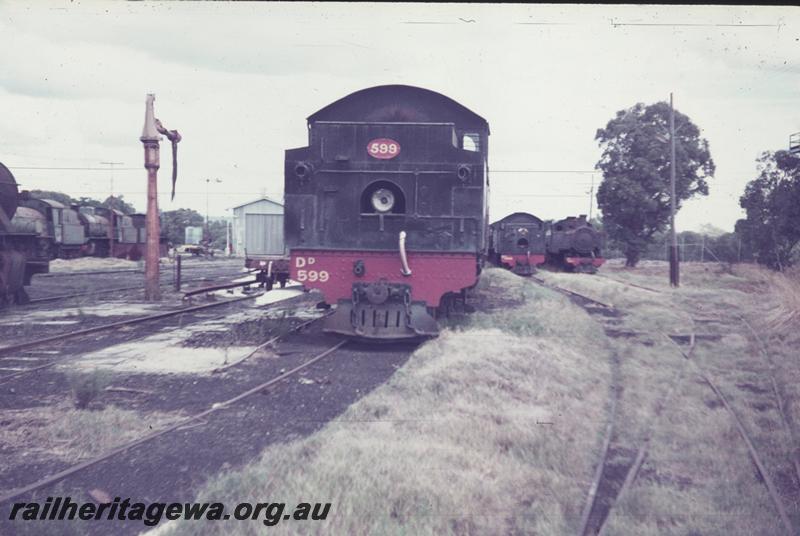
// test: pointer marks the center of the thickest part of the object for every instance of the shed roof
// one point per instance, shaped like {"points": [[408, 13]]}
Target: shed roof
{"points": [[254, 201], [53, 203]]}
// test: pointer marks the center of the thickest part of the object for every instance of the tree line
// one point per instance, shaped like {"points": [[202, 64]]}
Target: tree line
{"points": [[634, 197]]}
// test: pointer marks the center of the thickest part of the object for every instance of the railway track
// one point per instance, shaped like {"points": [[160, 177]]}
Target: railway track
{"points": [[180, 424], [9, 349], [581, 299], [189, 266], [49, 299], [627, 284], [617, 479], [601, 485]]}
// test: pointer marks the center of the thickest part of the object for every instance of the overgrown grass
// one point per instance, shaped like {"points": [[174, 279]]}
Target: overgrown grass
{"points": [[455, 442], [698, 478], [87, 386], [493, 428]]}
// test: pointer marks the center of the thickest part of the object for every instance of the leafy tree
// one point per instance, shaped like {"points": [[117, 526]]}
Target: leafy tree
{"points": [[772, 205], [728, 248], [62, 198], [175, 222], [634, 196], [89, 202], [218, 230], [119, 203]]}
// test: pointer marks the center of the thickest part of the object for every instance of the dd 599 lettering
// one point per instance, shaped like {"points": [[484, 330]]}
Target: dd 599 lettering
{"points": [[309, 275]]}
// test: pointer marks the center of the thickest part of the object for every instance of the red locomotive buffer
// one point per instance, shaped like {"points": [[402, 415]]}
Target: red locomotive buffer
{"points": [[385, 209]]}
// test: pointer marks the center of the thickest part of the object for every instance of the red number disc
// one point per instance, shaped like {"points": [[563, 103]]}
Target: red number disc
{"points": [[383, 148]]}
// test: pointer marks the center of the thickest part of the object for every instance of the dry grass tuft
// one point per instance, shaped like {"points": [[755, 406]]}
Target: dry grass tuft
{"points": [[63, 432], [784, 319]]}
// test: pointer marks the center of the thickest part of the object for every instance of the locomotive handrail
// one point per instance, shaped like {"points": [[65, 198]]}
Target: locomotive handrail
{"points": [[406, 271]]}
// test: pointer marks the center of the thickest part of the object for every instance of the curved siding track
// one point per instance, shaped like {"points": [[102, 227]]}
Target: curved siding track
{"points": [[620, 462]]}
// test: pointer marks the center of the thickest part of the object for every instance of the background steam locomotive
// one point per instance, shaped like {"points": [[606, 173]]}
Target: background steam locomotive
{"points": [[386, 209], [521, 241], [23, 251], [78, 231]]}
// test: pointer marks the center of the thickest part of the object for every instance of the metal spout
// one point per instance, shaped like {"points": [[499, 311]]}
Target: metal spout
{"points": [[149, 132]]}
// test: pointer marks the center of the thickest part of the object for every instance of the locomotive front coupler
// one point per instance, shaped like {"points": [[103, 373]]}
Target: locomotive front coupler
{"points": [[381, 310]]}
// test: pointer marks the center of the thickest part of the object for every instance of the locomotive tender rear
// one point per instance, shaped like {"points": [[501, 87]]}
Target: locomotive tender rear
{"points": [[517, 242], [386, 208], [22, 253]]}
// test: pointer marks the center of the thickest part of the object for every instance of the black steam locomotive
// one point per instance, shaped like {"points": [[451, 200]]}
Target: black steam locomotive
{"points": [[574, 245], [386, 209], [23, 253], [517, 242], [521, 241], [78, 231]]}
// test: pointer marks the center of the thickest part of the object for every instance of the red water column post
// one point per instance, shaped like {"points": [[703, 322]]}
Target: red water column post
{"points": [[150, 139]]}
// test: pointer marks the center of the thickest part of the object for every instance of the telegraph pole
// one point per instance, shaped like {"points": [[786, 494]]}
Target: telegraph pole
{"points": [[150, 139], [674, 269], [208, 231], [113, 217], [591, 200]]}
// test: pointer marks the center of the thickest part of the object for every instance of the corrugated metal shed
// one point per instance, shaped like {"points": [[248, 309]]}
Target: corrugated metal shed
{"points": [[258, 228]]}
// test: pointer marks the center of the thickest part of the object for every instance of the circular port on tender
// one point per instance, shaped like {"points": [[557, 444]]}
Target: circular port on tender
{"points": [[382, 200]]}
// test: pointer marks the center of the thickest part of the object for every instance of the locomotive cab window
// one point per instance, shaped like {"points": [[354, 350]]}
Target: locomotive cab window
{"points": [[471, 141]]}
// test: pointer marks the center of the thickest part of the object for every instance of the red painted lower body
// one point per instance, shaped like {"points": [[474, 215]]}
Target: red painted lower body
{"points": [[511, 261], [432, 274]]}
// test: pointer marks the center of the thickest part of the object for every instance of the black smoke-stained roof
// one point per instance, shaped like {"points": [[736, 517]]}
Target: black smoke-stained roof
{"points": [[399, 103], [519, 217]]}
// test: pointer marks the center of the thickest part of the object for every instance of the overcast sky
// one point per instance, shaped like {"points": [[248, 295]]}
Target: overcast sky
{"points": [[238, 81]]}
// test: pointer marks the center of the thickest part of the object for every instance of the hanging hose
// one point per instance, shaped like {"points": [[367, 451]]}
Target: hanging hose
{"points": [[174, 137]]}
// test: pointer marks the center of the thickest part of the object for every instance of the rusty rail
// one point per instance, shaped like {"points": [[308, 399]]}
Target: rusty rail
{"points": [[104, 327], [174, 426], [218, 287]]}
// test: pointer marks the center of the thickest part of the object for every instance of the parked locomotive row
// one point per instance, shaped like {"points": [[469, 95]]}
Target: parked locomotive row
{"points": [[386, 213], [35, 231], [521, 242]]}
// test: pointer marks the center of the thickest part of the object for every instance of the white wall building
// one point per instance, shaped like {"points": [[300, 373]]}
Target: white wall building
{"points": [[258, 228]]}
